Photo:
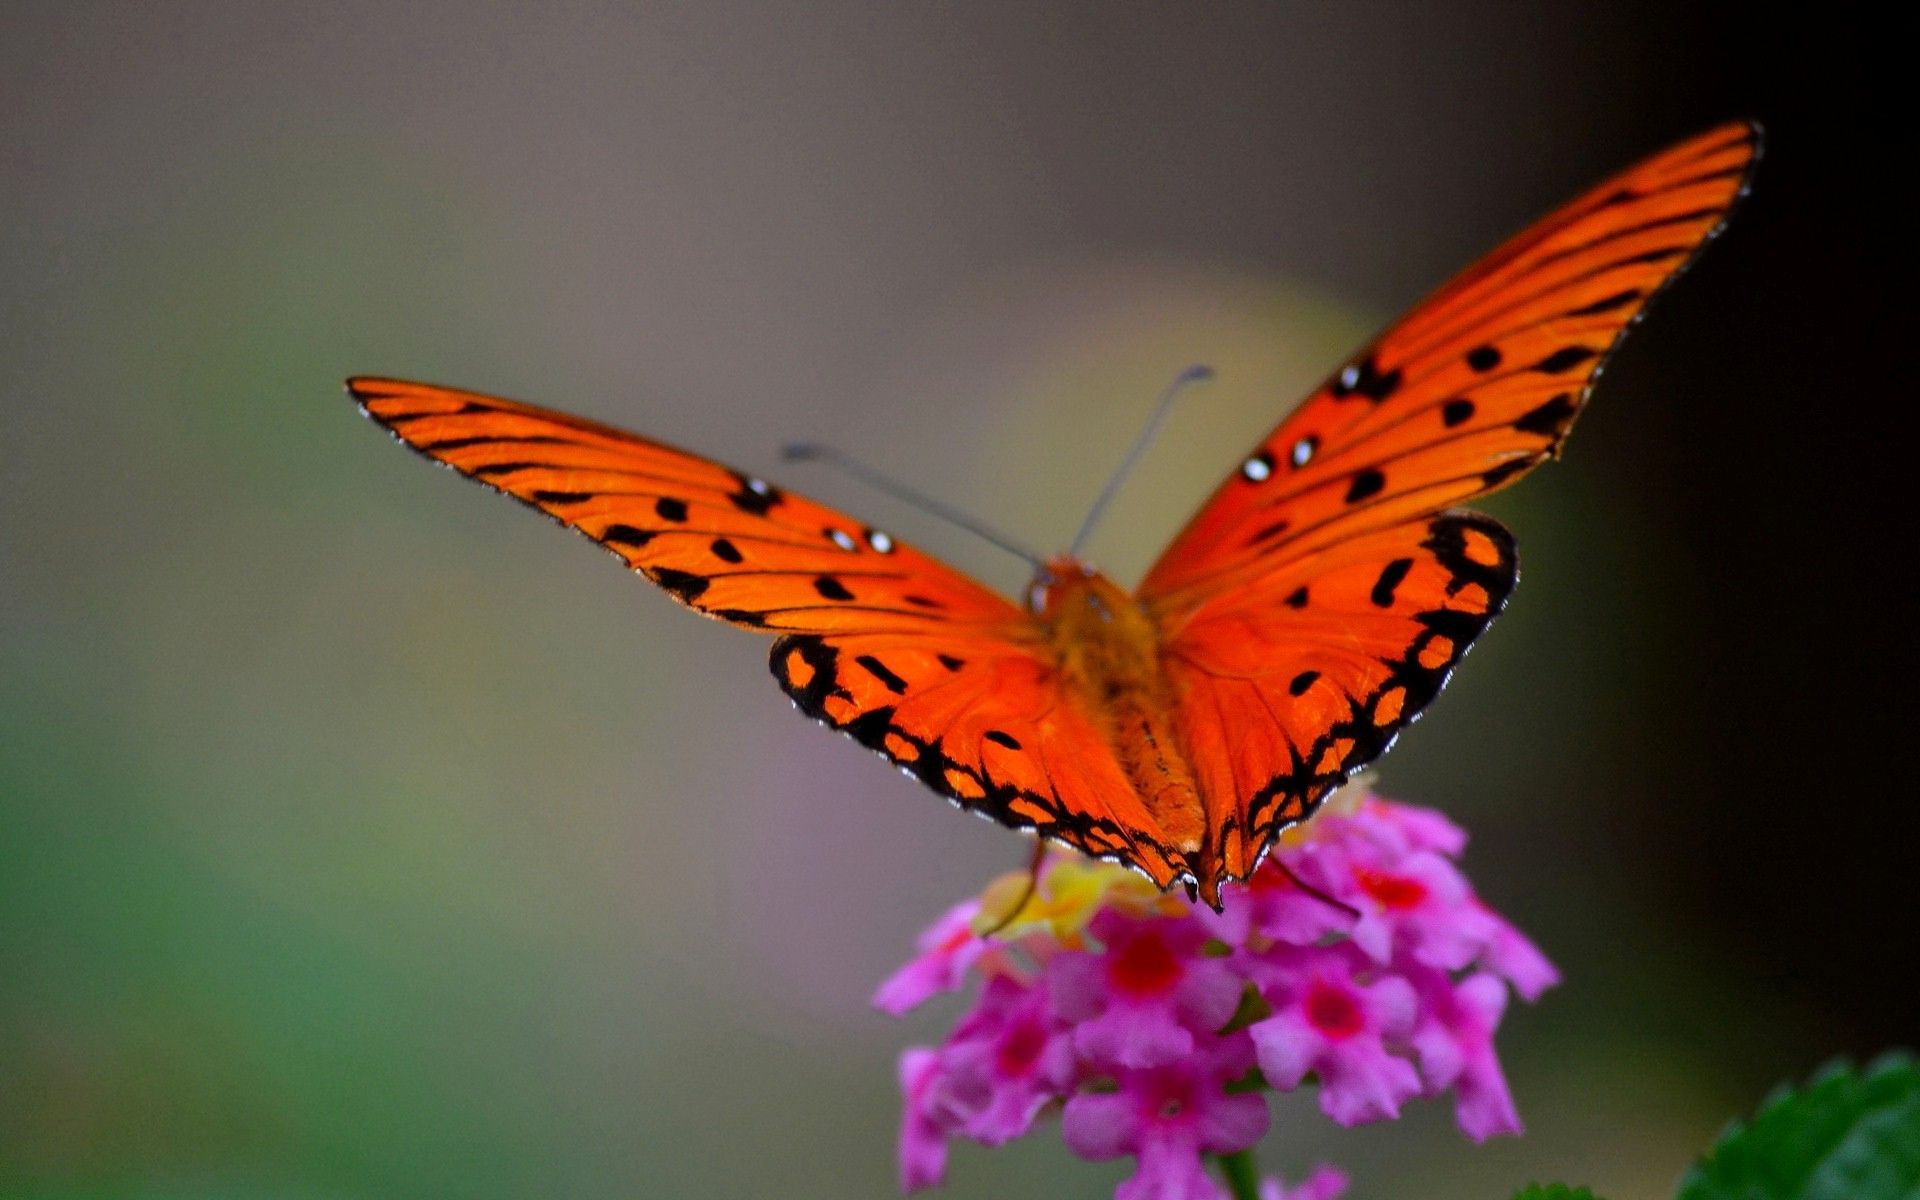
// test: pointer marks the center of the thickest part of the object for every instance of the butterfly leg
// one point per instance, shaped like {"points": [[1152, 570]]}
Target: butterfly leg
{"points": [[1019, 905], [1313, 891]]}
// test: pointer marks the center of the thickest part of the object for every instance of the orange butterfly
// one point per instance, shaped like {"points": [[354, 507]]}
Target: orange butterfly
{"points": [[1307, 613]]}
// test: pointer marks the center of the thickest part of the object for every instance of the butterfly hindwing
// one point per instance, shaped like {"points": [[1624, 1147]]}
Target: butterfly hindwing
{"points": [[983, 722], [718, 540], [1289, 687]]}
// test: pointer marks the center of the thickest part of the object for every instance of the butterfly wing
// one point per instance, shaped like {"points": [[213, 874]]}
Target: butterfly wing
{"points": [[985, 723], [911, 658], [1319, 600], [1288, 688], [718, 540], [1475, 387]]}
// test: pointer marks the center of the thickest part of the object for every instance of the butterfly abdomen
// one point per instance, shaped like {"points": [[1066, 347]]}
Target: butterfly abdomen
{"points": [[1108, 652]]}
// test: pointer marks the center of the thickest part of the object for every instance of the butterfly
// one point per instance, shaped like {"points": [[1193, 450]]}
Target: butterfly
{"points": [[1306, 614]]}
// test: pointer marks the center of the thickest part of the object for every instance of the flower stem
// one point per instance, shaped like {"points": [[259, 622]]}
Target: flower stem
{"points": [[1241, 1174]]}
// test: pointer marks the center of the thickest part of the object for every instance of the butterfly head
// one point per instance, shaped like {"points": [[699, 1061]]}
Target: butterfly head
{"points": [[1062, 580]]}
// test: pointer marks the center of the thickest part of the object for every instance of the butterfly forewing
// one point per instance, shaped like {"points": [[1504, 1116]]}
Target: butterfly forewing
{"points": [[718, 540], [1475, 387], [916, 661]]}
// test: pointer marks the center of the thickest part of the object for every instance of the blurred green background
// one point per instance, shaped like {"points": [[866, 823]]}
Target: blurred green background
{"points": [[363, 836]]}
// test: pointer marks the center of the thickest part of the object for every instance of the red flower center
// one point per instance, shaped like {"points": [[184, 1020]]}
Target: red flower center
{"points": [[1020, 1049], [1143, 965], [1169, 1096], [1333, 1011], [1392, 891]]}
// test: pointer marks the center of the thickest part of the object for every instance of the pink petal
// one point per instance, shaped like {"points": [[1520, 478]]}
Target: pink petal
{"points": [[1483, 1105], [1287, 1047], [1170, 1172], [923, 1146], [1509, 953], [1326, 1183], [1134, 1036], [1362, 1083], [1232, 1123], [1100, 1125], [948, 948]]}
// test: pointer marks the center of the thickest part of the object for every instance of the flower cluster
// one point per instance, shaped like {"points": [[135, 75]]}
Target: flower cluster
{"points": [[1357, 955]]}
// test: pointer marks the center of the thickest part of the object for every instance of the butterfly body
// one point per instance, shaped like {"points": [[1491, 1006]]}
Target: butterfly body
{"points": [[1107, 649], [1307, 613]]}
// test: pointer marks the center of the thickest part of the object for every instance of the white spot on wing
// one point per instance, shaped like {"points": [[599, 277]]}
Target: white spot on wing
{"points": [[1257, 468]]}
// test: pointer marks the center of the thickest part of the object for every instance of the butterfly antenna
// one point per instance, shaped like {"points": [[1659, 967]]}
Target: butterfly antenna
{"points": [[808, 452], [1192, 375]]}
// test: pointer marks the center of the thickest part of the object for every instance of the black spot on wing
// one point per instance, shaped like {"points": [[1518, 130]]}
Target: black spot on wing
{"points": [[1366, 379], [831, 588], [683, 584], [879, 670], [1365, 483], [626, 535], [1483, 358], [1456, 412], [1505, 471], [1566, 358], [1301, 682], [919, 601], [1297, 598], [950, 662], [1550, 419], [670, 509], [546, 497], [1617, 300], [1003, 739], [1390, 578], [1270, 532], [754, 496], [726, 551]]}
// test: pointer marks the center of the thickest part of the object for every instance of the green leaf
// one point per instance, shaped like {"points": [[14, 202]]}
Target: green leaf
{"points": [[1848, 1135], [1553, 1191]]}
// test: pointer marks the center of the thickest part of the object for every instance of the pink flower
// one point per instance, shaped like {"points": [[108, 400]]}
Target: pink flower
{"points": [[1326, 1021], [1326, 1183], [947, 949], [1454, 1042], [1415, 903], [1168, 1116], [1357, 957], [1510, 955], [1143, 999], [1006, 1061], [1273, 905], [923, 1137]]}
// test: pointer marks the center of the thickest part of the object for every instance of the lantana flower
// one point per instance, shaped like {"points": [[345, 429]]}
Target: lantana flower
{"points": [[1357, 958]]}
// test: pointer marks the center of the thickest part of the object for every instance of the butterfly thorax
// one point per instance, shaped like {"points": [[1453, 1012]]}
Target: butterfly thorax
{"points": [[1108, 651]]}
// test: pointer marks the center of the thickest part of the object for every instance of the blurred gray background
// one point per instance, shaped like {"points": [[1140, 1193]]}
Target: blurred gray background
{"points": [[363, 836]]}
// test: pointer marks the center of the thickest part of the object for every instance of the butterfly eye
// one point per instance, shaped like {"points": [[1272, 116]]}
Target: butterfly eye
{"points": [[1303, 449], [1257, 469]]}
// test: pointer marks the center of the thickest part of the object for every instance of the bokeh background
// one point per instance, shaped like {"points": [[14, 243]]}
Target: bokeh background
{"points": [[362, 835]]}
